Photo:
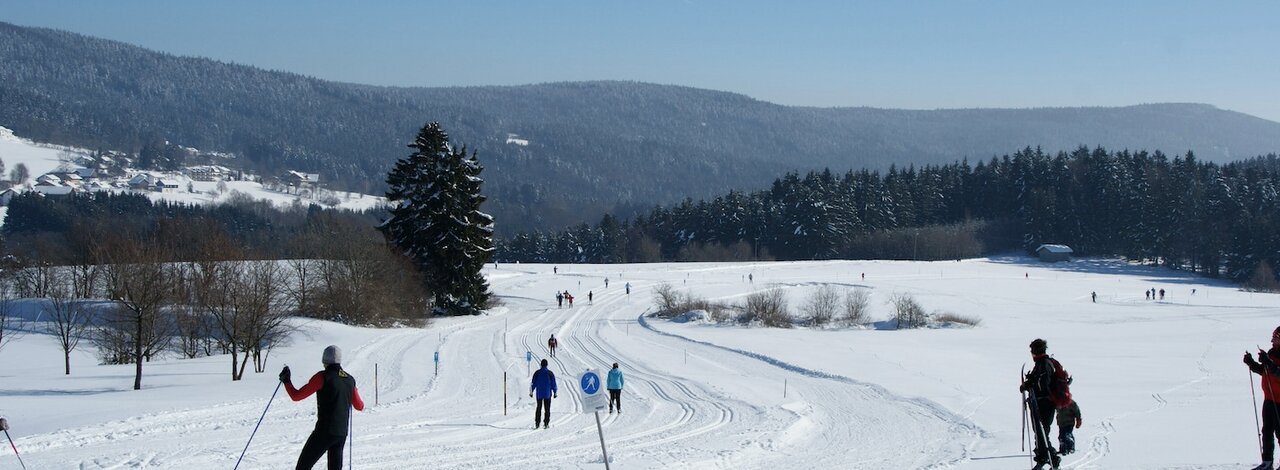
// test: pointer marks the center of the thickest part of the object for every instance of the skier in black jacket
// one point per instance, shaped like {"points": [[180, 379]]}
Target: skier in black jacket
{"points": [[336, 394], [1037, 383]]}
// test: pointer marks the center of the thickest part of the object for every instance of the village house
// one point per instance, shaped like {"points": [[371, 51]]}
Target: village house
{"points": [[301, 181]]}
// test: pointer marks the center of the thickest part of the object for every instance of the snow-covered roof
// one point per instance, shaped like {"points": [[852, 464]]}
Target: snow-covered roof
{"points": [[306, 177], [1055, 249], [54, 190]]}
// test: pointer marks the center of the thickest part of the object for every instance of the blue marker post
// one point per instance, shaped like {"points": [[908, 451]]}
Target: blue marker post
{"points": [[528, 362], [437, 362], [594, 400]]}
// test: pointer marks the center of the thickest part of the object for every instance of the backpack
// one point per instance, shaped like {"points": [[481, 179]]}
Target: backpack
{"points": [[1059, 385]]}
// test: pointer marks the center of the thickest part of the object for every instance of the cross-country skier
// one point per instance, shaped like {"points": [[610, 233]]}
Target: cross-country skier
{"points": [[1037, 383], [336, 394], [1267, 367], [614, 384], [544, 385], [551, 345]]}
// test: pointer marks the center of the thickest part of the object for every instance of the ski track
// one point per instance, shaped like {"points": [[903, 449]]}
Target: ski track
{"points": [[675, 415]]}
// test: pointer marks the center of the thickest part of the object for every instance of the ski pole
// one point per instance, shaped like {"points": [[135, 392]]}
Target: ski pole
{"points": [[1256, 426], [255, 427], [1023, 377], [351, 438], [1024, 422], [5, 426]]}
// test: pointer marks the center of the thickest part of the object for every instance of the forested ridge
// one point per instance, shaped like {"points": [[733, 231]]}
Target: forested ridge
{"points": [[1217, 219], [593, 147]]}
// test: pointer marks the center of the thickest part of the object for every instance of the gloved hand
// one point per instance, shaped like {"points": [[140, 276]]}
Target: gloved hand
{"points": [[1248, 359], [4, 424], [554, 395], [530, 394], [1079, 422], [1264, 357], [285, 375]]}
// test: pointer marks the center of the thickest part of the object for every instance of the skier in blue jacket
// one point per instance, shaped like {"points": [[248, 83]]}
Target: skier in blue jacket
{"points": [[615, 388], [544, 384]]}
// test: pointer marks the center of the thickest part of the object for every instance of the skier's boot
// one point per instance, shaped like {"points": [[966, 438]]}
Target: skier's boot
{"points": [[1039, 466], [1265, 465], [1055, 461]]}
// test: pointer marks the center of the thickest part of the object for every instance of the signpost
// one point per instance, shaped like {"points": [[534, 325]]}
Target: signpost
{"points": [[594, 400], [528, 361], [437, 362]]}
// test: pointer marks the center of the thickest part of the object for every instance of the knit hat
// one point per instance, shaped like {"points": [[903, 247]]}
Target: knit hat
{"points": [[1039, 346], [332, 355]]}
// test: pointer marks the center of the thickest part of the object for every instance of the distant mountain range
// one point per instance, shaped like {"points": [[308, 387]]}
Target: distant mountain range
{"points": [[555, 154]]}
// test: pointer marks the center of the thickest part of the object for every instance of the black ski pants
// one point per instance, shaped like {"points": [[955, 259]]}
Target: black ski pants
{"points": [[615, 396], [1270, 429], [543, 410], [1041, 420], [318, 444]]}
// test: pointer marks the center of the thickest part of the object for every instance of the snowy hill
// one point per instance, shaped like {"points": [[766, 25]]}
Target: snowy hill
{"points": [[1160, 382], [44, 158]]}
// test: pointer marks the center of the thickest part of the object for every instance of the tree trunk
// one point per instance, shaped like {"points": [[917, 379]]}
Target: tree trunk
{"points": [[67, 356], [244, 362], [234, 362], [137, 356]]}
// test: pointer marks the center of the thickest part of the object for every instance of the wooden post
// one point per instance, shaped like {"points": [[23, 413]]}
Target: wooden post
{"points": [[375, 384], [504, 393], [784, 388]]}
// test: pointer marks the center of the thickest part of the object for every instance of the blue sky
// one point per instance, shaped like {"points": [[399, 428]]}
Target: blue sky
{"points": [[901, 54]]}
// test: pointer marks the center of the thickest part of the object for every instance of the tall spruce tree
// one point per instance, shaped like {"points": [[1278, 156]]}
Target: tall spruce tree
{"points": [[436, 220]]}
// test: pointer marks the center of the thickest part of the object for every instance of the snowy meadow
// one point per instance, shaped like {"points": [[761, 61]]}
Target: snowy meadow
{"points": [[1159, 382]]}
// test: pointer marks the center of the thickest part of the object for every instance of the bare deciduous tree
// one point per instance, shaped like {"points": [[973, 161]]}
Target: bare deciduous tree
{"points": [[769, 307], [260, 305], [67, 320], [138, 281], [908, 312], [856, 307], [668, 300], [821, 308], [8, 318]]}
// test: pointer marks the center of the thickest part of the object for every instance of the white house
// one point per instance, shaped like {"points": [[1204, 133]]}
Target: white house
{"points": [[165, 185]]}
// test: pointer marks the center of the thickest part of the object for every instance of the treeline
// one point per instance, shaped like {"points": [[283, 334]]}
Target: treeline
{"points": [[1220, 220], [339, 267]]}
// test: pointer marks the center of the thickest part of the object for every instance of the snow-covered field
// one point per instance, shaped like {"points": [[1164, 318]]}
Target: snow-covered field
{"points": [[1160, 383]]}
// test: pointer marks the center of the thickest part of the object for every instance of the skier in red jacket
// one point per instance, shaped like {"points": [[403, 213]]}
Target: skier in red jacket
{"points": [[1268, 366], [336, 394]]}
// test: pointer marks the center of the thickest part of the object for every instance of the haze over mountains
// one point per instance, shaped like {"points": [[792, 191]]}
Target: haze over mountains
{"points": [[555, 154]]}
